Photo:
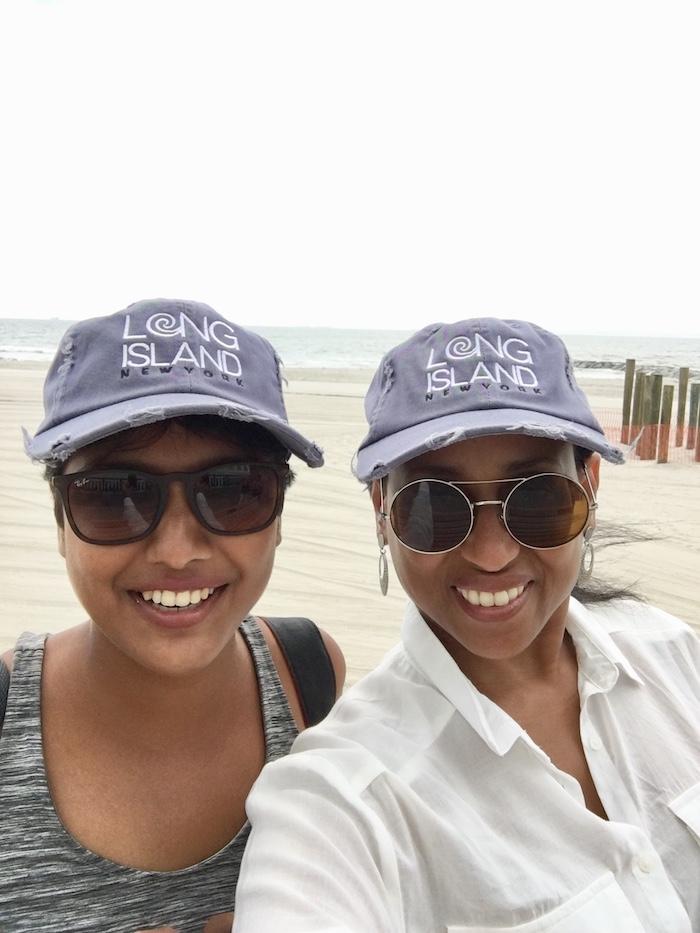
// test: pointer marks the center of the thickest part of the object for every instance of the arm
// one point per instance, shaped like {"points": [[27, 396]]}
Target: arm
{"points": [[318, 859], [337, 660]]}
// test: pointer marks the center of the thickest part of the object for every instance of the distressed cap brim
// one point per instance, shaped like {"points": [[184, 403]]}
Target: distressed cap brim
{"points": [[60, 442], [387, 453]]}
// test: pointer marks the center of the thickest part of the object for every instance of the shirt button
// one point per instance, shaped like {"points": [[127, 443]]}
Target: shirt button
{"points": [[645, 862], [594, 742]]}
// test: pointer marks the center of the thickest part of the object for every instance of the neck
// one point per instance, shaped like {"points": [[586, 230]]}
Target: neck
{"points": [[550, 658], [118, 693]]}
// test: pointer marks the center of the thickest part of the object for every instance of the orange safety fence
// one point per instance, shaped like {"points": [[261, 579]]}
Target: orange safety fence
{"points": [[644, 442]]}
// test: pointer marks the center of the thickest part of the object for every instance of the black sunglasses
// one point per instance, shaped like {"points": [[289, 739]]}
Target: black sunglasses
{"points": [[114, 506], [544, 511]]}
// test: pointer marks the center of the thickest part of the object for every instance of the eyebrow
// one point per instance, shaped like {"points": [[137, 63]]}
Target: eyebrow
{"points": [[105, 464], [534, 463], [510, 470]]}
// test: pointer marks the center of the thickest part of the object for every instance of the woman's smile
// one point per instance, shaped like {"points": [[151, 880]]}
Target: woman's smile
{"points": [[489, 604], [177, 609]]}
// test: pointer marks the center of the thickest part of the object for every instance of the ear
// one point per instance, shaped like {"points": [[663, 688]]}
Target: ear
{"points": [[279, 531], [61, 538]]}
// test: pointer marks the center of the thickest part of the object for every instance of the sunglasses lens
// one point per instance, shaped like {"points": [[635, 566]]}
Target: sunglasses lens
{"points": [[430, 516], [113, 507], [546, 511], [237, 498]]}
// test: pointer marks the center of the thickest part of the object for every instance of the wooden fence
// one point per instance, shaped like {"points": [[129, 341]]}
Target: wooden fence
{"points": [[648, 412]]}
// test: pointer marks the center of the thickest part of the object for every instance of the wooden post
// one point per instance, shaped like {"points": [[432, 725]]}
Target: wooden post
{"points": [[645, 452], [683, 374], [657, 385], [627, 401], [665, 427], [637, 404], [697, 438], [693, 415]]}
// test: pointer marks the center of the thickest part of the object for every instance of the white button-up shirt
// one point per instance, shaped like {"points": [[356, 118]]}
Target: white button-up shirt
{"points": [[420, 805]]}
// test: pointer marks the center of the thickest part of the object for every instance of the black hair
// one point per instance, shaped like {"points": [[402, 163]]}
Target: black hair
{"points": [[258, 442], [607, 534]]}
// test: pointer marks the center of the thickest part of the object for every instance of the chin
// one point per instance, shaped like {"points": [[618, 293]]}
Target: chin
{"points": [[179, 656]]}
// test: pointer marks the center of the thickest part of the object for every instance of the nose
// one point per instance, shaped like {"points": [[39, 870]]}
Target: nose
{"points": [[489, 546], [179, 537]]}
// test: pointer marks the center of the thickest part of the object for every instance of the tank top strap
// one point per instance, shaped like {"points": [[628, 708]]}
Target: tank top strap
{"points": [[24, 698], [21, 748], [278, 722]]}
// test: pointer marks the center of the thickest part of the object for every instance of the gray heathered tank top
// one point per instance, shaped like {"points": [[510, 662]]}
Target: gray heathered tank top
{"points": [[49, 883]]}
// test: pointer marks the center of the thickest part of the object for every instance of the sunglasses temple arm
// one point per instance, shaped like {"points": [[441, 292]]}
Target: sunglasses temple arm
{"points": [[381, 497], [594, 501]]}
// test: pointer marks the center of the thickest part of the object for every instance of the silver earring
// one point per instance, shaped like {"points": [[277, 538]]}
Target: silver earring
{"points": [[587, 557], [383, 564]]}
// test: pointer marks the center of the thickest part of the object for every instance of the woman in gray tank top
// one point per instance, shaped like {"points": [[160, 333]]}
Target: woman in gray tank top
{"points": [[130, 742]]}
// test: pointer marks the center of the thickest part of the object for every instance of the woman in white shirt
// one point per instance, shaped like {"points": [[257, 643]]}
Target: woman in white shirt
{"points": [[521, 761]]}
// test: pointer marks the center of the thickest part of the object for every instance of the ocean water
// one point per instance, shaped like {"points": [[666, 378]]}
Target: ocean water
{"points": [[337, 348]]}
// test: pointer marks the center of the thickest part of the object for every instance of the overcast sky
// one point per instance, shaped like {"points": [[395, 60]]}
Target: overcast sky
{"points": [[367, 164]]}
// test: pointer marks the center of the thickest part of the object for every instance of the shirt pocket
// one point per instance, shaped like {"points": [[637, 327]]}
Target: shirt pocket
{"points": [[600, 906], [687, 808]]}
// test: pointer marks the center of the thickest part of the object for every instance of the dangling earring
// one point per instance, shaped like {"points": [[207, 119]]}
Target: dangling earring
{"points": [[383, 564], [587, 557]]}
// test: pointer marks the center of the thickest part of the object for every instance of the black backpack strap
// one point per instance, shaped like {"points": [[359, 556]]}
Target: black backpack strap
{"points": [[309, 663], [4, 690]]}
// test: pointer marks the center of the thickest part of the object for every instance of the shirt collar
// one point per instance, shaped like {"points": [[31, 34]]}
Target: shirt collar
{"points": [[599, 658], [434, 661]]}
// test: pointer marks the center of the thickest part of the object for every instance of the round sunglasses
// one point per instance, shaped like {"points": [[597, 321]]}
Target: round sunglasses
{"points": [[432, 516], [114, 506]]}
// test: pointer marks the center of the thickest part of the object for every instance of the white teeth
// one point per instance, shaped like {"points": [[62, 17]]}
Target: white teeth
{"points": [[180, 600], [488, 599]]}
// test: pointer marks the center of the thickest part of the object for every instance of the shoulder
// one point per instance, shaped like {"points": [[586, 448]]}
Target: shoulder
{"points": [[659, 645], [381, 724], [355, 763], [337, 660], [630, 618], [26, 642], [333, 771]]}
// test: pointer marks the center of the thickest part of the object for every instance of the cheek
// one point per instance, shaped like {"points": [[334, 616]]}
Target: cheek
{"points": [[562, 564], [89, 566], [254, 554], [417, 573]]}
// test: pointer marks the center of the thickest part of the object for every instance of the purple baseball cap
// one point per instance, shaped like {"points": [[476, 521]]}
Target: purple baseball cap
{"points": [[472, 378], [155, 360]]}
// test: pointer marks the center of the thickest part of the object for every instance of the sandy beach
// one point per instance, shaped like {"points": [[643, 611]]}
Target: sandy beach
{"points": [[327, 563]]}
